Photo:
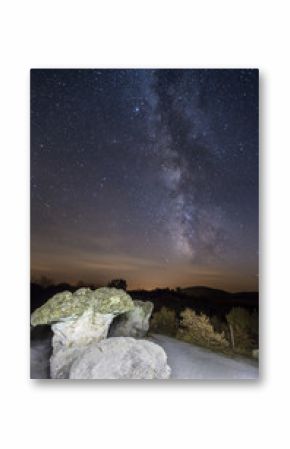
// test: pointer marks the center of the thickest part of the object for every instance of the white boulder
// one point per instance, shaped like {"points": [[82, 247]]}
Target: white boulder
{"points": [[121, 358], [61, 361]]}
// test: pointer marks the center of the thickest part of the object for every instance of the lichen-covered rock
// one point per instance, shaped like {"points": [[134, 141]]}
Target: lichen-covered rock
{"points": [[134, 323], [69, 306], [120, 358]]}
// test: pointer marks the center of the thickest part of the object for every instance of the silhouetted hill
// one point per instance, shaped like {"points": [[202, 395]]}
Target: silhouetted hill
{"points": [[201, 299], [250, 299], [203, 292]]}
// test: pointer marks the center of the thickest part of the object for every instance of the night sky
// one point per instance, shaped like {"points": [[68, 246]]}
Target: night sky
{"points": [[147, 175]]}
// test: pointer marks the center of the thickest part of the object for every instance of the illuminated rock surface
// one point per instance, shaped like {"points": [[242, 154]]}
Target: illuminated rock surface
{"points": [[134, 323], [121, 358]]}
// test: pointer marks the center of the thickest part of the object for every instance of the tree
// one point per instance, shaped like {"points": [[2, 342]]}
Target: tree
{"points": [[118, 283]]}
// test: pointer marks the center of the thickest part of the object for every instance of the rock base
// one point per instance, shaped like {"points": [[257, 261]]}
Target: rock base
{"points": [[121, 358]]}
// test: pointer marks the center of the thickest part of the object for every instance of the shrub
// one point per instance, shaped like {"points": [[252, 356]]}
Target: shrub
{"points": [[240, 324], [254, 325], [217, 323], [198, 329], [164, 322]]}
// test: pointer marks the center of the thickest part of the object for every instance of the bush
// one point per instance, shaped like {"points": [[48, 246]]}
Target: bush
{"points": [[164, 322], [242, 327], [217, 323], [199, 330], [254, 325]]}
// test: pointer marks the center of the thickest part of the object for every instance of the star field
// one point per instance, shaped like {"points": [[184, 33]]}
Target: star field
{"points": [[150, 175]]}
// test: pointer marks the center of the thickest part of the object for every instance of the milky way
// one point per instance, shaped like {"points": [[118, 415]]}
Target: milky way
{"points": [[150, 175]]}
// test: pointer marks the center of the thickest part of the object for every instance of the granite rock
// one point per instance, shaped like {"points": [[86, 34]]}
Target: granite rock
{"points": [[121, 358], [134, 323]]}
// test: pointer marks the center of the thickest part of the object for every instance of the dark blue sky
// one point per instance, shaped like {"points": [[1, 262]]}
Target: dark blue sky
{"points": [[150, 175]]}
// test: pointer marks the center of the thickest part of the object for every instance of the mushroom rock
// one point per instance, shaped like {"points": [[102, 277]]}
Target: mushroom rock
{"points": [[134, 323], [78, 319]]}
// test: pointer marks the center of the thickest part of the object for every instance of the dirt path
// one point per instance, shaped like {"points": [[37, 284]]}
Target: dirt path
{"points": [[191, 362]]}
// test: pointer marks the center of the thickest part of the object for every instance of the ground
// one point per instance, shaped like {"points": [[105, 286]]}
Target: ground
{"points": [[186, 361]]}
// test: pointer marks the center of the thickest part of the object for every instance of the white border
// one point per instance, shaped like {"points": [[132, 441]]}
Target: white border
{"points": [[144, 34]]}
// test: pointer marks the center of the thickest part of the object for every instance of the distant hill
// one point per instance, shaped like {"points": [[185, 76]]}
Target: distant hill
{"points": [[200, 292], [202, 299]]}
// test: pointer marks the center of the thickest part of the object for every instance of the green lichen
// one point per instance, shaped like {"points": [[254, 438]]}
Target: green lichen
{"points": [[112, 300], [67, 305]]}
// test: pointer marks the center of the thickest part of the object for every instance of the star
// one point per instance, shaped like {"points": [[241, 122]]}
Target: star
{"points": [[162, 164]]}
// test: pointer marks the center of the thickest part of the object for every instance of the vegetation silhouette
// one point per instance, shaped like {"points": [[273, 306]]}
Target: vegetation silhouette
{"points": [[118, 283]]}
